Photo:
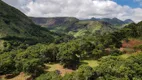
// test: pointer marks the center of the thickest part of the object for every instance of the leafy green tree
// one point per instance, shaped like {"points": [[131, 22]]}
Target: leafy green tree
{"points": [[83, 73], [7, 64], [49, 53], [68, 54]]}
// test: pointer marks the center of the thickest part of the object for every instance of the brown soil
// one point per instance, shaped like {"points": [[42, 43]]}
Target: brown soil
{"points": [[21, 76], [132, 43], [128, 47]]}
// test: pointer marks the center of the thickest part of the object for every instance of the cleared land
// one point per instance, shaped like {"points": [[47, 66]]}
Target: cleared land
{"points": [[21, 76], [58, 67], [128, 46]]}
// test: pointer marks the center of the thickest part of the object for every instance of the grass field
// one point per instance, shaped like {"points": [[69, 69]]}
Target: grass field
{"points": [[125, 56], [91, 63]]}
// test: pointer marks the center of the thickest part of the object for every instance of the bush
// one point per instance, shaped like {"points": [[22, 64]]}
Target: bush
{"points": [[49, 76]]}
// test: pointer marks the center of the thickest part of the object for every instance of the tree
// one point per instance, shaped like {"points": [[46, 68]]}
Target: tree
{"points": [[83, 73], [49, 53], [68, 55]]}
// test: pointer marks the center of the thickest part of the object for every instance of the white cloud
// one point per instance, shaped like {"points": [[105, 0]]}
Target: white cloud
{"points": [[77, 8], [139, 1]]}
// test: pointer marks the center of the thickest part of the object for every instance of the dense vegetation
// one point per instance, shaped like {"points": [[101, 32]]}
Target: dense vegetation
{"points": [[70, 53], [110, 68], [17, 30], [29, 52], [14, 23]]}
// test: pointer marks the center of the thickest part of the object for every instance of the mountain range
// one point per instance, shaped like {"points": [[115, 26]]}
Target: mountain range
{"points": [[113, 21], [74, 25]]}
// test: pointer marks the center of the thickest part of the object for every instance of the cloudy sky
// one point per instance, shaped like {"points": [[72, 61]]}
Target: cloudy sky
{"points": [[122, 9]]}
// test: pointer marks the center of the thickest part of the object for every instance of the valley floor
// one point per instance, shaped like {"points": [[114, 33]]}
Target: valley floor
{"points": [[59, 68]]}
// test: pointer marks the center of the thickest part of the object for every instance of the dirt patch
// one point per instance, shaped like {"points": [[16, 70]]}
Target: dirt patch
{"points": [[128, 46], [58, 67], [21, 76], [131, 43]]}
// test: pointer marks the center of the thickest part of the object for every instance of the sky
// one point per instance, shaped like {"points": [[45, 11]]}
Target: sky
{"points": [[82, 9]]}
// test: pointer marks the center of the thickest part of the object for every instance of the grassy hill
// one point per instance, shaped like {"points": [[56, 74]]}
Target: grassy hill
{"points": [[14, 23]]}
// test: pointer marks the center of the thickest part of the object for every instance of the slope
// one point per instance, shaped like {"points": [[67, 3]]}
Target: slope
{"points": [[14, 23], [114, 21], [56, 24]]}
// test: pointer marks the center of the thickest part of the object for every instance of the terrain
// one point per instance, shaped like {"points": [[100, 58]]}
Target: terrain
{"points": [[69, 24], [114, 21], [15, 24], [74, 26], [66, 48], [16, 29]]}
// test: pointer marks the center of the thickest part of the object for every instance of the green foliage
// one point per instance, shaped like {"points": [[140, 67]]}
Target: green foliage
{"points": [[49, 53], [17, 27], [116, 52], [139, 47], [98, 53], [83, 73], [117, 68], [49, 76], [133, 30], [7, 64], [68, 54]]}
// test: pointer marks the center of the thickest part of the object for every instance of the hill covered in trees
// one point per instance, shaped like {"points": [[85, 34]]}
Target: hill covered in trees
{"points": [[14, 23], [33, 50]]}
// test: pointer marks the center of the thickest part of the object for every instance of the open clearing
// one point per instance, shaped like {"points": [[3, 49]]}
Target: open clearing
{"points": [[131, 43], [128, 46], [91, 63], [63, 71], [21, 76], [58, 67]]}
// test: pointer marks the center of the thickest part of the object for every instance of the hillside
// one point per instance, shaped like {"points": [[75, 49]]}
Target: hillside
{"points": [[114, 21], [14, 23], [128, 21], [56, 24], [74, 25]]}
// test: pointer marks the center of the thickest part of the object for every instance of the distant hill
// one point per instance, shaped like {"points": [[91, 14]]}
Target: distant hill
{"points": [[50, 22], [14, 23], [57, 24], [113, 21], [128, 21], [73, 25]]}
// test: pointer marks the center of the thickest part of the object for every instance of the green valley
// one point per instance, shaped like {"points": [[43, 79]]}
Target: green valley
{"points": [[66, 48]]}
